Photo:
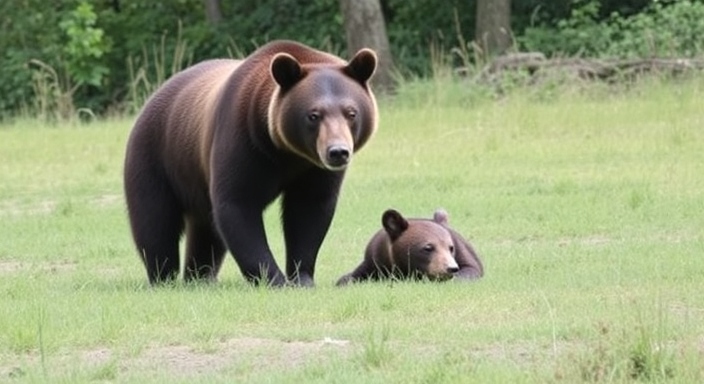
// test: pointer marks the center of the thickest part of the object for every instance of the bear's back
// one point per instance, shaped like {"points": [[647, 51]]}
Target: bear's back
{"points": [[187, 97], [176, 118]]}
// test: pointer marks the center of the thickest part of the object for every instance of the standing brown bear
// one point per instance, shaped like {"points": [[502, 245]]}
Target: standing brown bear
{"points": [[416, 248], [218, 142]]}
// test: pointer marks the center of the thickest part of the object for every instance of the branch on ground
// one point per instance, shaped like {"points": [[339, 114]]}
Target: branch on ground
{"points": [[535, 63]]}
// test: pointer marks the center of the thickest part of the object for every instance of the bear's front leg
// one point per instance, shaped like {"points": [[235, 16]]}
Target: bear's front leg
{"points": [[308, 207], [364, 271], [242, 228]]}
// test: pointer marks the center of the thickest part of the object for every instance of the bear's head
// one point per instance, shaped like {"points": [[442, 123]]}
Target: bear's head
{"points": [[323, 112], [421, 247]]}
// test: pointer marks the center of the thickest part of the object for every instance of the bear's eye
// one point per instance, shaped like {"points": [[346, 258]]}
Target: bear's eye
{"points": [[314, 116], [350, 114], [428, 247], [452, 249]]}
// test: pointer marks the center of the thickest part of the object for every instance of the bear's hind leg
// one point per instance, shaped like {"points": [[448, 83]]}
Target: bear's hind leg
{"points": [[157, 223], [157, 243], [205, 252]]}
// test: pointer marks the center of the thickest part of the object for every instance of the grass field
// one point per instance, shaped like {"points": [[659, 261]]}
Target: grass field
{"points": [[585, 204]]}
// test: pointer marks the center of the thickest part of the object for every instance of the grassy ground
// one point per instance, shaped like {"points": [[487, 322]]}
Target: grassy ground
{"points": [[586, 206]]}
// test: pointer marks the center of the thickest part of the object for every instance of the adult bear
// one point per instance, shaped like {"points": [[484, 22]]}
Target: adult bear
{"points": [[218, 142]]}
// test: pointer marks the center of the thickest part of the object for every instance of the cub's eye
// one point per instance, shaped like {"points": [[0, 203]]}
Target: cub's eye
{"points": [[452, 249], [314, 117], [428, 247], [350, 114]]}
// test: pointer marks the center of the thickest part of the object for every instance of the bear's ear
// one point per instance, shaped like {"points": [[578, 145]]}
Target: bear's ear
{"points": [[362, 65], [286, 70], [394, 223], [441, 217]]}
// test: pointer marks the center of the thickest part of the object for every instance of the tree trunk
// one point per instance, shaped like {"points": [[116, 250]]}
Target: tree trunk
{"points": [[365, 28], [212, 12], [493, 33]]}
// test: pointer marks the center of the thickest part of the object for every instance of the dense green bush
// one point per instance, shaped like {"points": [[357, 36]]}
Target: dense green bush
{"points": [[85, 46], [675, 30], [663, 29], [26, 35]]}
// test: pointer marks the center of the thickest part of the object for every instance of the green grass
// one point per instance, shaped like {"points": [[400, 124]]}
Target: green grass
{"points": [[585, 203]]}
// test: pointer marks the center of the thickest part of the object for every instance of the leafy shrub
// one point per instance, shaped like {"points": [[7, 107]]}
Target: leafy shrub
{"points": [[581, 33], [663, 29], [85, 47], [29, 31]]}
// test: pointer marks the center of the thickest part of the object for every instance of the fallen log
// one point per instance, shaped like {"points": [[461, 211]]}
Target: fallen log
{"points": [[604, 69]]}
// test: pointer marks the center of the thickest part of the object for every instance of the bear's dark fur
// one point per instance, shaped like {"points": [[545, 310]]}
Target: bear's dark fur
{"points": [[218, 142], [416, 248]]}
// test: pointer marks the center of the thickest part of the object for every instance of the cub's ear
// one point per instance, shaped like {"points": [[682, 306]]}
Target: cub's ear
{"points": [[394, 223], [286, 70], [441, 217], [362, 65]]}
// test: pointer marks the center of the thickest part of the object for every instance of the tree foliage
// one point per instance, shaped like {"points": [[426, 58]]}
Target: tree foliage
{"points": [[84, 47], [661, 29], [109, 55]]}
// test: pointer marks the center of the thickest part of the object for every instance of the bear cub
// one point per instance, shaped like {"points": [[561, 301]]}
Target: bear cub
{"points": [[416, 248]]}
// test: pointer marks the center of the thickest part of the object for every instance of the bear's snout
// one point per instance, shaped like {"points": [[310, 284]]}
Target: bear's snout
{"points": [[451, 265], [337, 156], [442, 266]]}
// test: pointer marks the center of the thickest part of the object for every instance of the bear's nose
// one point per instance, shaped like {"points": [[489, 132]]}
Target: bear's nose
{"points": [[338, 155], [452, 269]]}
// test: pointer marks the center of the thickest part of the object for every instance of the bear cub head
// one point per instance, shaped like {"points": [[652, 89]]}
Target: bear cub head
{"points": [[420, 247], [323, 112]]}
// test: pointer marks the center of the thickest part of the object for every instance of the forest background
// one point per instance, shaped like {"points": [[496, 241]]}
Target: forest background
{"points": [[72, 58]]}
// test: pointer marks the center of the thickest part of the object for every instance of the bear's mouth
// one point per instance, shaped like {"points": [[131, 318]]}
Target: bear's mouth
{"points": [[441, 277], [335, 166]]}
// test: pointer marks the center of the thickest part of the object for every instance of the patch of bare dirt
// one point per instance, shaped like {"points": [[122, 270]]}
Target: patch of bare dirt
{"points": [[107, 200], [588, 240], [10, 267], [19, 208], [187, 361], [522, 352], [183, 361], [15, 208]]}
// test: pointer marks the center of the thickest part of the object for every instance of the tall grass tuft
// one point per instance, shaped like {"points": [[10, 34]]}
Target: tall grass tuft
{"points": [[640, 353], [150, 70], [53, 96], [376, 352]]}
